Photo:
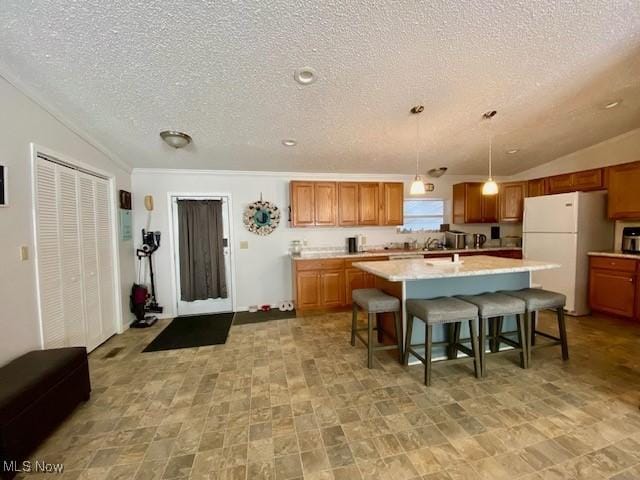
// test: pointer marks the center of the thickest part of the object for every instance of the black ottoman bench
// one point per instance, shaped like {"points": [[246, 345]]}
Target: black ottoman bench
{"points": [[37, 392]]}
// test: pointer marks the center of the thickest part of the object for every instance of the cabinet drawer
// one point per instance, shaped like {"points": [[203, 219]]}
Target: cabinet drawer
{"points": [[324, 264], [612, 263]]}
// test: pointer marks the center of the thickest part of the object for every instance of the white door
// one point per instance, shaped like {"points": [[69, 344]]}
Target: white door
{"points": [[551, 213], [212, 305], [560, 248], [75, 255]]}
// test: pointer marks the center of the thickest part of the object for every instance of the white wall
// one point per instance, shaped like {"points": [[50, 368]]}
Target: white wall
{"points": [[22, 122], [263, 272]]}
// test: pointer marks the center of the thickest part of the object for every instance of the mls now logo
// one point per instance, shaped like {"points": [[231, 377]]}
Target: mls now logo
{"points": [[32, 467]]}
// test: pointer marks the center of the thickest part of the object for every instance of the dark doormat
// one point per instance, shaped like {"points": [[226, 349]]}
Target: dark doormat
{"points": [[242, 318], [193, 331]]}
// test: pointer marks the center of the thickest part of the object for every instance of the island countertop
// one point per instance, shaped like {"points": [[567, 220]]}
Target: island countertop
{"points": [[420, 269]]}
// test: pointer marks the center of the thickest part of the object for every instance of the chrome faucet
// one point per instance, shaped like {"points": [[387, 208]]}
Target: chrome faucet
{"points": [[432, 243]]}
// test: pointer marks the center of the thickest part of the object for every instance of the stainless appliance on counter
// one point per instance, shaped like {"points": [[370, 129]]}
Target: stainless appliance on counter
{"points": [[455, 239], [478, 240], [631, 240]]}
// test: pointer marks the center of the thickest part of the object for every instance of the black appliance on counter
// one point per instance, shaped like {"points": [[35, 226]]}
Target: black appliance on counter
{"points": [[352, 244], [631, 240]]}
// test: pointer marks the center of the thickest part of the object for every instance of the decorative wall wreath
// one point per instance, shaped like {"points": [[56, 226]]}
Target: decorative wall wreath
{"points": [[261, 217]]}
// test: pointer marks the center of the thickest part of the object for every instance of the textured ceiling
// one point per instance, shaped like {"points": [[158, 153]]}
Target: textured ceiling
{"points": [[223, 72]]}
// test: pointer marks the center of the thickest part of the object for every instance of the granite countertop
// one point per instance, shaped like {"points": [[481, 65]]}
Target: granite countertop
{"points": [[394, 253], [419, 269], [615, 253]]}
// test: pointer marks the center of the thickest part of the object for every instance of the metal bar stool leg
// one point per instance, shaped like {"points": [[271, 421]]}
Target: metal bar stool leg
{"points": [[477, 366], [398, 321], [428, 333], [534, 318], [563, 334], [354, 324], [522, 339], [481, 343], [371, 318], [499, 323], [528, 335], [407, 342]]}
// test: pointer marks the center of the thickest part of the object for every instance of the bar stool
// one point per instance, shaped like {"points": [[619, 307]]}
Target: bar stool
{"points": [[442, 311], [374, 301], [537, 299], [496, 306]]}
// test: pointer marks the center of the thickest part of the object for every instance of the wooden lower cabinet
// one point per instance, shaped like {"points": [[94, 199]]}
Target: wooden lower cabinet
{"points": [[613, 287], [332, 288], [354, 279], [308, 289]]}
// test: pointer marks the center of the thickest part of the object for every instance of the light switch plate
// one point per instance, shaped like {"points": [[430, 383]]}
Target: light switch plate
{"points": [[244, 245], [24, 252]]}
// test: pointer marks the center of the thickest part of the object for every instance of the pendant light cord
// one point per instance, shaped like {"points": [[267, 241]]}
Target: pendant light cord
{"points": [[417, 144], [490, 142]]}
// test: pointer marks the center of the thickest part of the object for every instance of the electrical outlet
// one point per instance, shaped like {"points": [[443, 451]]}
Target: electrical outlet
{"points": [[244, 245], [24, 253]]}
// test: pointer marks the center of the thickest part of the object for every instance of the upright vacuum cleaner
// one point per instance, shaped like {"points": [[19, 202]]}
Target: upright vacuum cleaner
{"points": [[141, 301]]}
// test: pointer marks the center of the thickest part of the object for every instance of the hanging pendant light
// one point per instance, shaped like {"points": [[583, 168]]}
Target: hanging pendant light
{"points": [[417, 186], [490, 187]]}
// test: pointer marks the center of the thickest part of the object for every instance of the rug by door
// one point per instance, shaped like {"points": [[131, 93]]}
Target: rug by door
{"points": [[193, 331]]}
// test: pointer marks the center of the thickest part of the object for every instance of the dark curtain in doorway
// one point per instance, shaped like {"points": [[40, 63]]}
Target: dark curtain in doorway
{"points": [[200, 233]]}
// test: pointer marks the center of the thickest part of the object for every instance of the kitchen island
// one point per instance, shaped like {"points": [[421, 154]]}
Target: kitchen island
{"points": [[431, 278]]}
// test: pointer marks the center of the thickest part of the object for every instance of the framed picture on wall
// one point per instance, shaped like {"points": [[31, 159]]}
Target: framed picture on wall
{"points": [[125, 200], [4, 193]]}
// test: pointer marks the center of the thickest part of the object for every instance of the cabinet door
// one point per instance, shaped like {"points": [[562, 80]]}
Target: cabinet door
{"points": [[489, 208], [473, 203], [368, 204], [459, 201], [302, 204], [624, 201], [638, 295], [588, 180], [612, 292], [393, 203], [326, 199], [511, 199], [536, 188], [332, 288], [308, 289], [347, 204], [354, 279], [561, 183]]}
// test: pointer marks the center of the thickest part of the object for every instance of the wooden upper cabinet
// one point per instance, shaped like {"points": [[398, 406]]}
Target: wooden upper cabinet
{"points": [[511, 199], [368, 204], [589, 180], [583, 181], [347, 204], [302, 204], [537, 187], [471, 206], [326, 200], [624, 198], [392, 203], [560, 183]]}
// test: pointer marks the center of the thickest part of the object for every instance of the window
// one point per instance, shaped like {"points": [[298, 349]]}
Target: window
{"points": [[421, 215]]}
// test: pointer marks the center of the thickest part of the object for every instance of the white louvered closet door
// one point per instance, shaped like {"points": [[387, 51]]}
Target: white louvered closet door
{"points": [[74, 229], [104, 227], [49, 264], [89, 255], [72, 297]]}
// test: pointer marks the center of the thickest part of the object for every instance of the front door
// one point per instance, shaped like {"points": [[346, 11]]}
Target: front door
{"points": [[210, 305]]}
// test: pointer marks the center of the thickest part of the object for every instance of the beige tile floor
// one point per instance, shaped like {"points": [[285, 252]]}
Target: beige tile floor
{"points": [[291, 399]]}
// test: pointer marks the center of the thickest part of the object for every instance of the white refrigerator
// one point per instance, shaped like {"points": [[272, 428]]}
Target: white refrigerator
{"points": [[562, 229]]}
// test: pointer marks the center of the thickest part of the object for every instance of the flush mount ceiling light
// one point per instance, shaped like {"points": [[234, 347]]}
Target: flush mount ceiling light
{"points": [[175, 139], [513, 151], [305, 75], [612, 104], [289, 142], [417, 186], [490, 187], [437, 172]]}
